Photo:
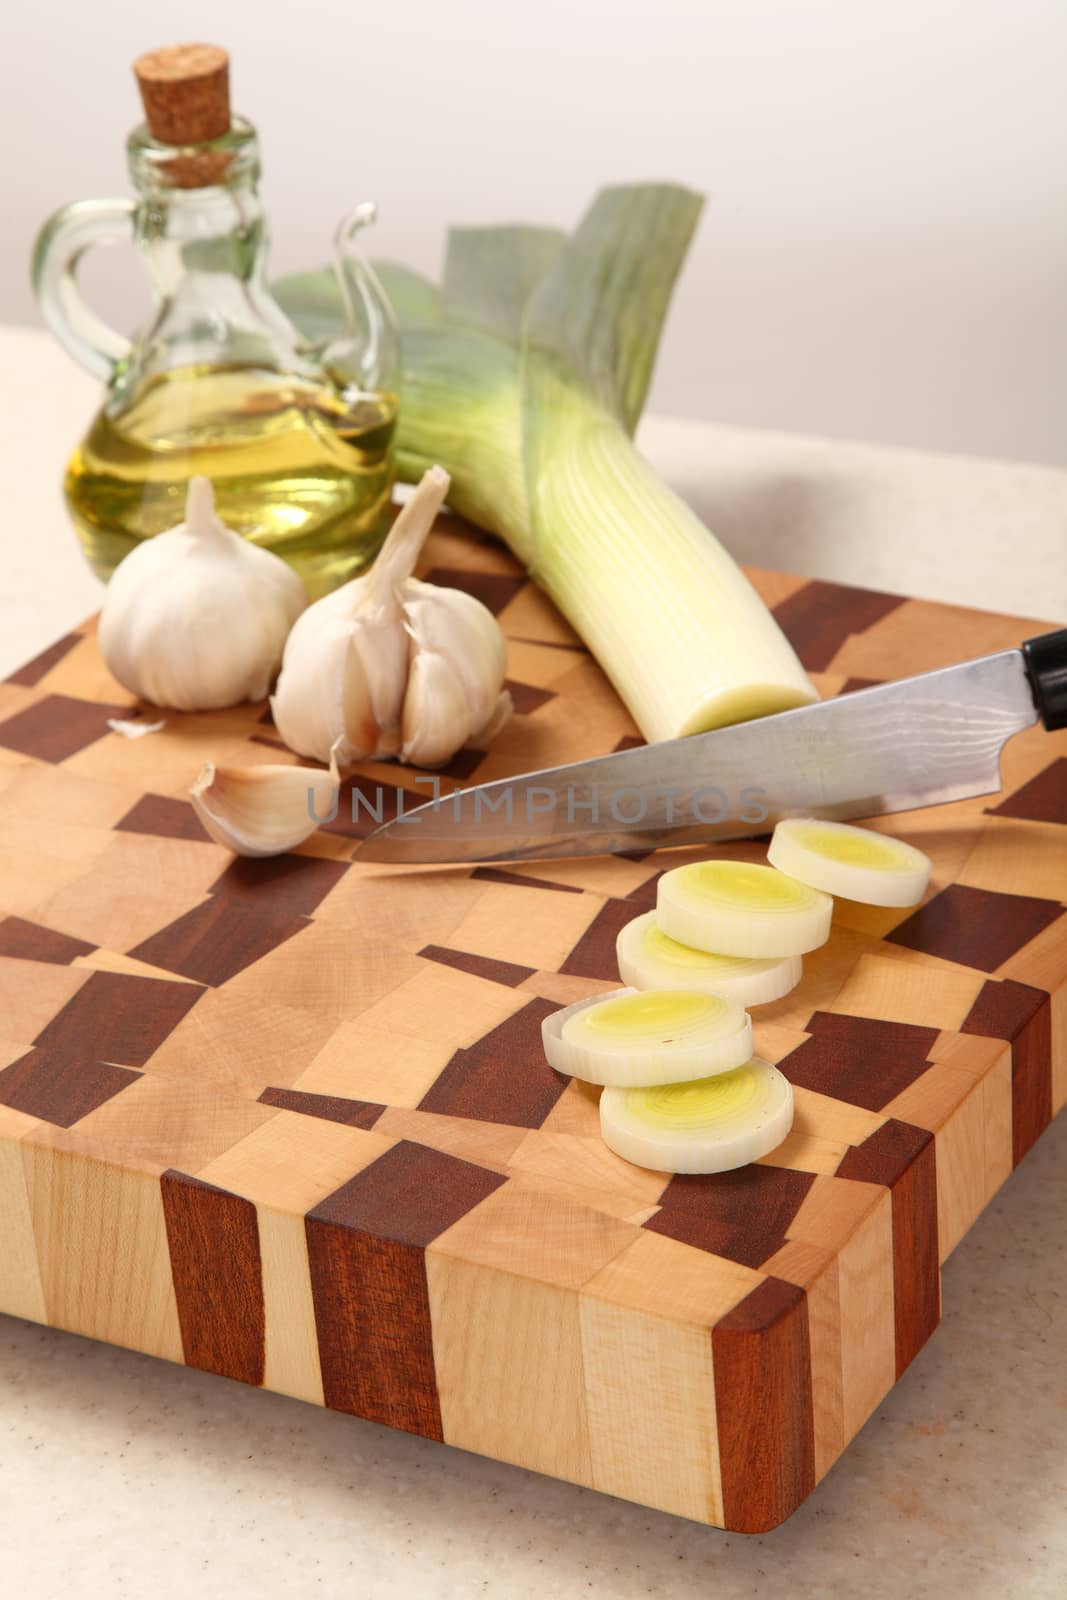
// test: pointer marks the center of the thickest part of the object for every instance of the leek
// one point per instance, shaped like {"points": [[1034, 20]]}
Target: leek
{"points": [[648, 959], [524, 376], [713, 1125], [740, 908], [631, 1038], [852, 862]]}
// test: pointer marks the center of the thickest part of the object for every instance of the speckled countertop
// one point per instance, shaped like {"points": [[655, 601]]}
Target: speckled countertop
{"points": [[124, 1476]]}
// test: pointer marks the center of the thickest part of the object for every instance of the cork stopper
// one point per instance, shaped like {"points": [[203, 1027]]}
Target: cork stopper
{"points": [[186, 92]]}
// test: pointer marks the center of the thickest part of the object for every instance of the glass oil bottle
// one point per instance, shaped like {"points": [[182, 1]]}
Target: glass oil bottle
{"points": [[296, 438]]}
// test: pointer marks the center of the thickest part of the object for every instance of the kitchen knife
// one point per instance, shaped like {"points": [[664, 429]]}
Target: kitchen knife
{"points": [[918, 742]]}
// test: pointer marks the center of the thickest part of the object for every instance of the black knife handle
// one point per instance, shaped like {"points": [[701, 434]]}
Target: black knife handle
{"points": [[1046, 667]]}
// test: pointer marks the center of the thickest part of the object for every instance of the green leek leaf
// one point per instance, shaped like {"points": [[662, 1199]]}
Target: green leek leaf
{"points": [[490, 274]]}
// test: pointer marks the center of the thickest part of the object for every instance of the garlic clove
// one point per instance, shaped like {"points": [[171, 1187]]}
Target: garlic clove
{"points": [[196, 618], [309, 701], [266, 810], [436, 712], [398, 555], [500, 713], [373, 718], [452, 623]]}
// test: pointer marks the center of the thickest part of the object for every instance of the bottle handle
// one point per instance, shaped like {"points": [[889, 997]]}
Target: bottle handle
{"points": [[369, 349], [59, 247]]}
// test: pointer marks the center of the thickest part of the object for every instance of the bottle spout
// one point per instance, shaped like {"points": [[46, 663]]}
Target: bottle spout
{"points": [[365, 215], [367, 355]]}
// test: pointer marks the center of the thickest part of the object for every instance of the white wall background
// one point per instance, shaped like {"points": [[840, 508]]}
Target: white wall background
{"points": [[884, 250]]}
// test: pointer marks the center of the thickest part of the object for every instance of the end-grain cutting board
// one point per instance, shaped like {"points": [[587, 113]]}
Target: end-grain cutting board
{"points": [[289, 1121]]}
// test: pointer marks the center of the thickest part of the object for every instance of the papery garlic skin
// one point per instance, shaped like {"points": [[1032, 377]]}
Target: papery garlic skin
{"points": [[134, 730], [264, 810], [389, 666], [454, 690], [308, 706], [196, 618]]}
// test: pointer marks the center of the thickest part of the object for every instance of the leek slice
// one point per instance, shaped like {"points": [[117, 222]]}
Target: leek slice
{"points": [[632, 1037], [710, 1125], [852, 862], [525, 376], [649, 959], [739, 908]]}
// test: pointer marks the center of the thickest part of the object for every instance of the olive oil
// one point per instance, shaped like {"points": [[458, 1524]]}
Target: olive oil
{"points": [[296, 466]]}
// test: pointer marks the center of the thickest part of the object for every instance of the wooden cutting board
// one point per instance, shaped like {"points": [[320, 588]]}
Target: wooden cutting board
{"points": [[289, 1121]]}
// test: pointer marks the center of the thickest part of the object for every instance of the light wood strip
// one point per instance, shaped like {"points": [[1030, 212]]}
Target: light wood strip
{"points": [[102, 1250], [650, 1398], [21, 1290], [896, 991]]}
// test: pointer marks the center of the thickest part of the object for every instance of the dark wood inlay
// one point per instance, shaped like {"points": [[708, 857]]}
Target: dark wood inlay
{"points": [[526, 697], [366, 1244], [859, 1059], [33, 671], [59, 726], [163, 817], [743, 1215], [644, 897], [853, 685], [761, 1357], [504, 1077], [286, 885], [28, 941], [594, 954], [499, 875], [218, 939], [364, 804], [120, 1017], [977, 927], [818, 618], [1043, 799], [494, 589], [1022, 1014], [59, 1087], [463, 765], [332, 1108], [903, 1158], [218, 1280], [506, 972]]}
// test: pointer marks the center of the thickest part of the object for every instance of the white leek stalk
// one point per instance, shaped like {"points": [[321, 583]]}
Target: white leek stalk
{"points": [[684, 637]]}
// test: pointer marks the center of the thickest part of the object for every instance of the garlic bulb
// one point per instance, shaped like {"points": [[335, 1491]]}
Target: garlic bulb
{"points": [[389, 666], [263, 811], [196, 618]]}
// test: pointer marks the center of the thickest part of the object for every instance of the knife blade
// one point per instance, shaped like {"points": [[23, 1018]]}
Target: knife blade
{"points": [[920, 741]]}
